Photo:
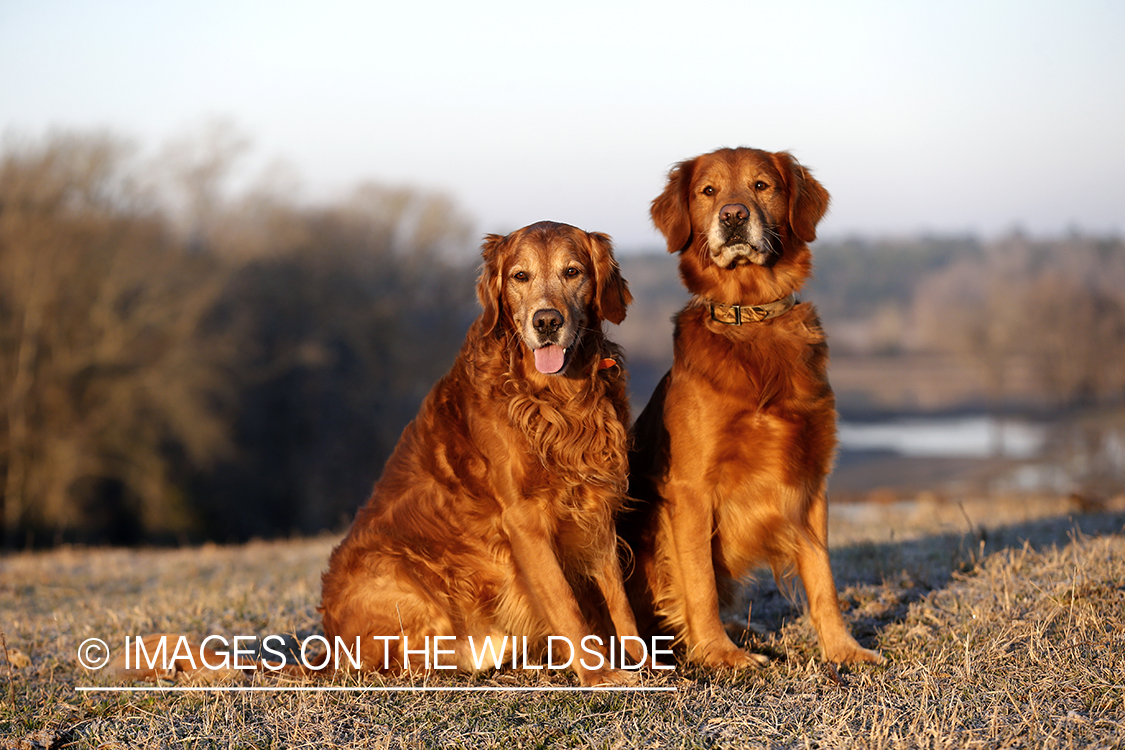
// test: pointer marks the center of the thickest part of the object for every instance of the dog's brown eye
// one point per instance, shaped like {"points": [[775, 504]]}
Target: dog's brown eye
{"points": [[759, 185], [708, 190], [520, 276], [572, 272]]}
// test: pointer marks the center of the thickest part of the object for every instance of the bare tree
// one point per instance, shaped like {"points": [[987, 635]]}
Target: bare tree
{"points": [[99, 345], [1055, 308], [193, 174]]}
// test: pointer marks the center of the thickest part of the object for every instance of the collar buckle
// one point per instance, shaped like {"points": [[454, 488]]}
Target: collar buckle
{"points": [[736, 315]]}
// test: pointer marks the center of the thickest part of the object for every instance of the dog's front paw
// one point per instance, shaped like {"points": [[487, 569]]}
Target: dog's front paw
{"points": [[607, 678], [845, 650], [729, 656]]}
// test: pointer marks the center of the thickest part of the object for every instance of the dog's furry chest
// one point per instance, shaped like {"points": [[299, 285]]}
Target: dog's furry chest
{"points": [[581, 447], [769, 408], [770, 367]]}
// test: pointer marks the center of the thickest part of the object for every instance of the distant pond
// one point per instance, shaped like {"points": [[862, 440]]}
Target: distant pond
{"points": [[1084, 453], [947, 437]]}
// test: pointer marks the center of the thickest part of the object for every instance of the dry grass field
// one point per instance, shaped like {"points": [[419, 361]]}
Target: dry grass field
{"points": [[1003, 623]]}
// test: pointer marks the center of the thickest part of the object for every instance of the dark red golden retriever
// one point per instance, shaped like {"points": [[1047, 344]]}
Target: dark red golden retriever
{"points": [[733, 451], [495, 514]]}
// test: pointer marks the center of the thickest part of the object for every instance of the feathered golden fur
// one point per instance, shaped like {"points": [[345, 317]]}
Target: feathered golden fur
{"points": [[734, 448], [495, 514]]}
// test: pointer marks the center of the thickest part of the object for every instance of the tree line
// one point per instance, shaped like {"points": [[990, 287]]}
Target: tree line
{"points": [[180, 360], [177, 362], [1048, 311]]}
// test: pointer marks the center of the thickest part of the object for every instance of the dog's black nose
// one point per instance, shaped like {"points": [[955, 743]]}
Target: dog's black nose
{"points": [[734, 214], [547, 321]]}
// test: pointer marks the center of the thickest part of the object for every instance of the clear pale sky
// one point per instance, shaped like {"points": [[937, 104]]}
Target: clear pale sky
{"points": [[945, 117]]}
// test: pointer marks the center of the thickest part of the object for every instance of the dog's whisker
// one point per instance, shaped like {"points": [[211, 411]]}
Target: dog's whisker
{"points": [[773, 238]]}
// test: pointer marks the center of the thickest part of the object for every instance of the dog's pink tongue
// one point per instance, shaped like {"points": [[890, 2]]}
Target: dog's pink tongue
{"points": [[549, 359]]}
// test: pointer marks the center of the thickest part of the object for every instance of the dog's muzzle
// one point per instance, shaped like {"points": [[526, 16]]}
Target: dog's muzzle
{"points": [[740, 240], [550, 357]]}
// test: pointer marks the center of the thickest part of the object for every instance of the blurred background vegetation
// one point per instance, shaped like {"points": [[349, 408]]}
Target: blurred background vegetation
{"points": [[177, 362], [182, 360]]}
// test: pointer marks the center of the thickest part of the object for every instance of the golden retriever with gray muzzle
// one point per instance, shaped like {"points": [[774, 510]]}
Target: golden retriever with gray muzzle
{"points": [[495, 514]]}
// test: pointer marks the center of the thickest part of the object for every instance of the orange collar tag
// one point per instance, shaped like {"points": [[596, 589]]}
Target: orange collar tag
{"points": [[607, 363]]}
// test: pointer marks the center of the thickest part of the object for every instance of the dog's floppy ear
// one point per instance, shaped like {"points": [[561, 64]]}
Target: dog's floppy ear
{"points": [[808, 200], [670, 211], [611, 292], [490, 283]]}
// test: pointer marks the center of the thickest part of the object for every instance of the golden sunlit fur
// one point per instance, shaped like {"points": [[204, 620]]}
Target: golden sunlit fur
{"points": [[733, 451], [495, 514]]}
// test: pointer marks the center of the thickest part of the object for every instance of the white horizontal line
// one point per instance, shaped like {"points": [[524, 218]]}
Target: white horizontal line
{"points": [[407, 689]]}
